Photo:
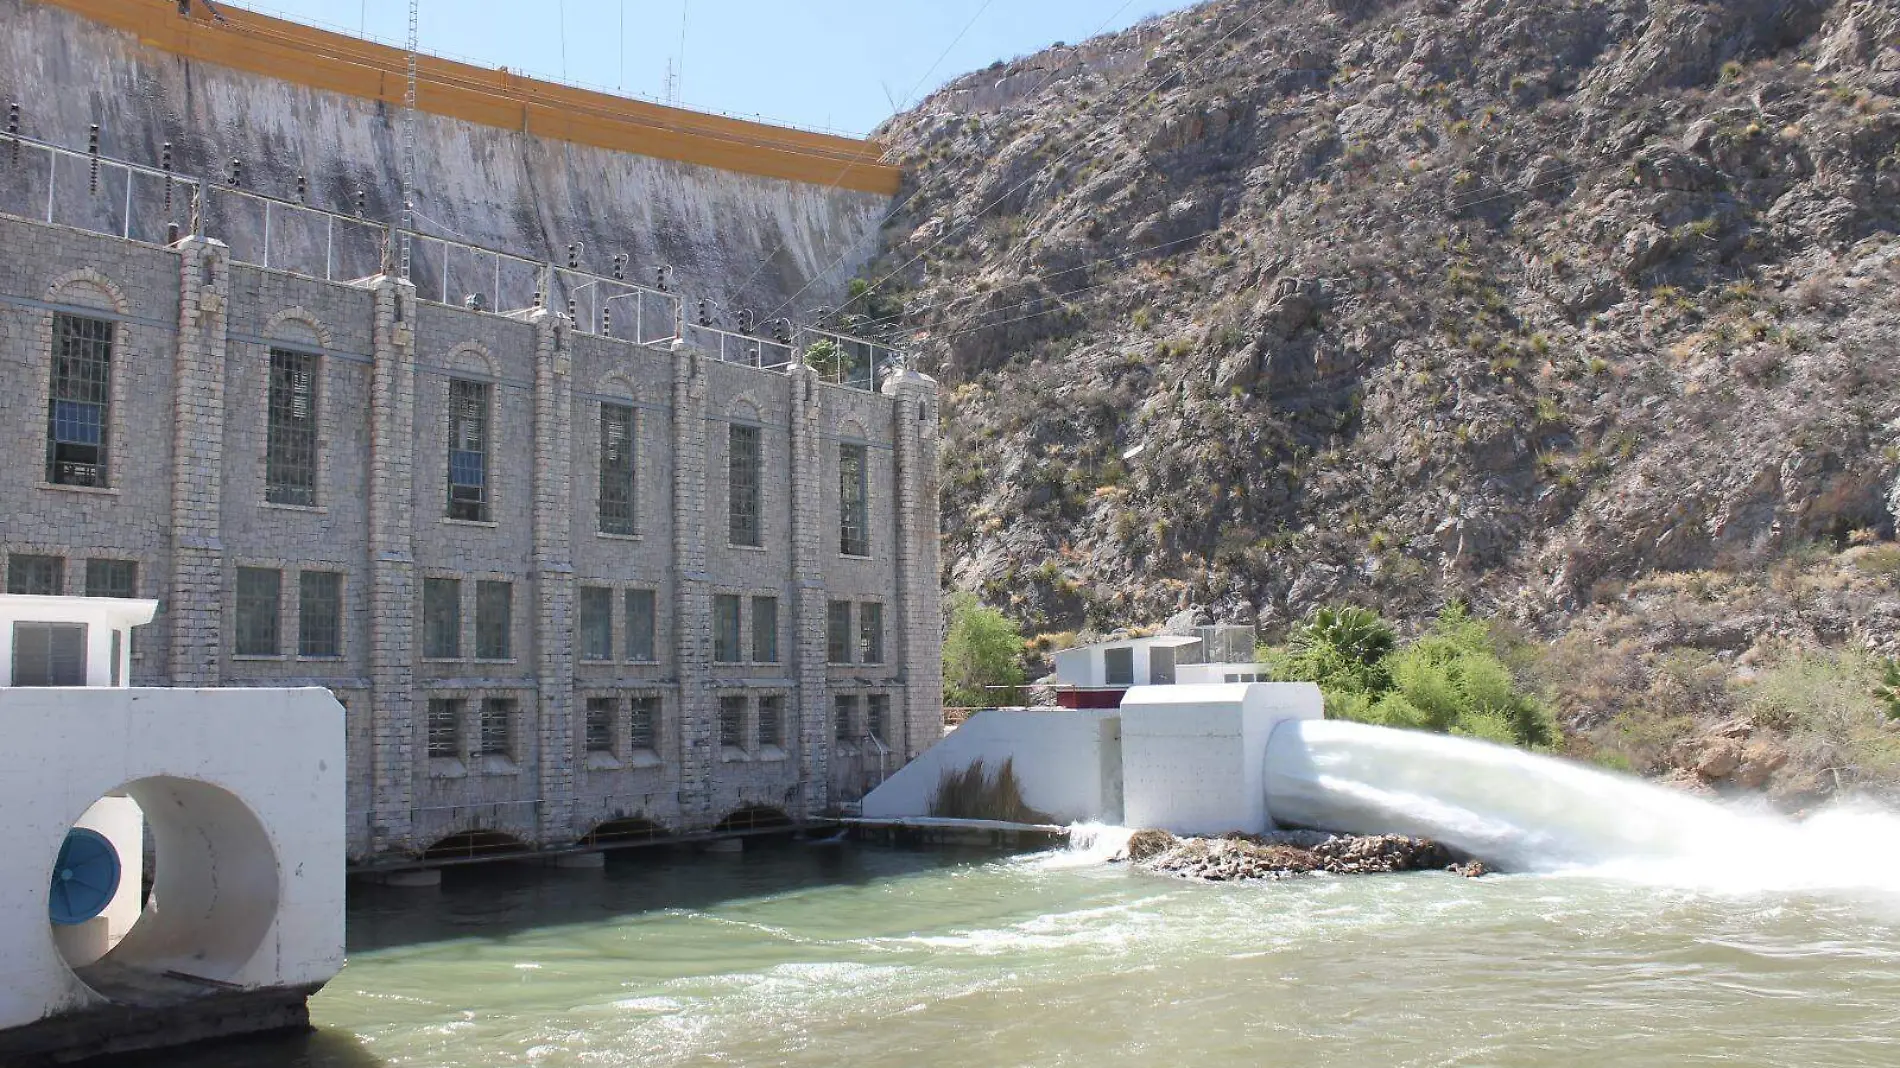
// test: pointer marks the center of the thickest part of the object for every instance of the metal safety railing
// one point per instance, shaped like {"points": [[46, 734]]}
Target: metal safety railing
{"points": [[155, 205], [88, 191], [730, 346]]}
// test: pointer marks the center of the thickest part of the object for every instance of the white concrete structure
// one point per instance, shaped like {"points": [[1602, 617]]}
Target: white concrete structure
{"points": [[83, 641], [1068, 762], [1122, 661], [243, 791], [1194, 757], [1187, 759], [1222, 674]]}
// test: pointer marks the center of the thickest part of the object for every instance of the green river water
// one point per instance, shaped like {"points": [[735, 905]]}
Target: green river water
{"points": [[805, 954]]}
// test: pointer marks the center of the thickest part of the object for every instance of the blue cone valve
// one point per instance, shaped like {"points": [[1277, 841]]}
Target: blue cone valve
{"points": [[85, 877]]}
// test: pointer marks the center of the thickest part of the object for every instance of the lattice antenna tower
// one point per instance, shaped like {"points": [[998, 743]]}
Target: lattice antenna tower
{"points": [[409, 138]]}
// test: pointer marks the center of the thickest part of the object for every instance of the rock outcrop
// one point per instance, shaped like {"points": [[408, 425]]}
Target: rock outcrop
{"points": [[1283, 854]]}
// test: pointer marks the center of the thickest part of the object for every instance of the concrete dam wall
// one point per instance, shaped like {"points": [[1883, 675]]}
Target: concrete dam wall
{"points": [[746, 214]]}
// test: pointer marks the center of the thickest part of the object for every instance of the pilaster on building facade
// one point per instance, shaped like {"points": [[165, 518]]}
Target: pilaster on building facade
{"points": [[445, 559]]}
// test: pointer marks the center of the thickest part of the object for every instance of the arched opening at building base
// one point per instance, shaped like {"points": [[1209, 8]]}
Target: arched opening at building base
{"points": [[631, 830], [475, 845], [754, 818]]}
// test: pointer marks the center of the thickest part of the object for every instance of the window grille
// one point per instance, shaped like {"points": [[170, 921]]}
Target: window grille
{"points": [[79, 405], [319, 613], [877, 715], [854, 528], [732, 721], [765, 630], [445, 727], [596, 623], [290, 448], [742, 485], [726, 629], [468, 450], [844, 715], [640, 626], [259, 594], [870, 633], [619, 481], [838, 632], [498, 726], [49, 654], [112, 578], [643, 718], [494, 620], [600, 724], [771, 720], [41, 575], [442, 618]]}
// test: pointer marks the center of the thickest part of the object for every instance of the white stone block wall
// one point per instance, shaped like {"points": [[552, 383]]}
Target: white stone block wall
{"points": [[188, 423]]}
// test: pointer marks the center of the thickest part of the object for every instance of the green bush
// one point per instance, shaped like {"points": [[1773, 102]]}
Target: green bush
{"points": [[1450, 680], [982, 656]]}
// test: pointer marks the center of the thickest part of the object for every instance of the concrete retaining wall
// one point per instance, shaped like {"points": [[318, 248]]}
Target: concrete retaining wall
{"points": [[1063, 759]]}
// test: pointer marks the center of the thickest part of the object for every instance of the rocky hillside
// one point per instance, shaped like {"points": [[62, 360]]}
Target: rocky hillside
{"points": [[1278, 302]]}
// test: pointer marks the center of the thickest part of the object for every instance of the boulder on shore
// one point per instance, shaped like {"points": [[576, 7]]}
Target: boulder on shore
{"points": [[1236, 856]]}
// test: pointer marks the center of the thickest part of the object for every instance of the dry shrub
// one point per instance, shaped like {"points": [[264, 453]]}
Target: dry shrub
{"points": [[975, 794]]}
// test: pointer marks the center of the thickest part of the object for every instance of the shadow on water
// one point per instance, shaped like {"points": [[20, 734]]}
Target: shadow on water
{"points": [[499, 899], [324, 1048]]}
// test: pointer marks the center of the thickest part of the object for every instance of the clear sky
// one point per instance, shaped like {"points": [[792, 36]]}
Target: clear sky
{"points": [[834, 64]]}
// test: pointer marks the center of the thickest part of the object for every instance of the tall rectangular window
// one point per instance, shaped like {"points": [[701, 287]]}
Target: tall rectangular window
{"points": [[765, 630], [771, 720], [494, 620], [844, 717], [600, 723], [640, 626], [112, 578], [259, 595], [854, 525], [877, 717], [445, 727], [618, 481], [870, 633], [1118, 667], [468, 450], [49, 654], [319, 613], [732, 720], [596, 623], [838, 632], [726, 629], [41, 575], [643, 720], [742, 485], [290, 444], [79, 403], [442, 618], [498, 726]]}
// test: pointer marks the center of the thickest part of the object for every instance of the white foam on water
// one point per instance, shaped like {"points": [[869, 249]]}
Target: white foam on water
{"points": [[1090, 844], [1539, 814]]}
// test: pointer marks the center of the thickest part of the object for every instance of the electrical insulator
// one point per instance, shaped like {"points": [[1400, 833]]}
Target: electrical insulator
{"points": [[171, 233], [236, 177], [362, 202], [745, 320], [92, 149], [165, 163], [13, 129], [303, 187], [659, 278], [607, 321], [573, 256], [620, 266], [705, 313], [783, 331], [570, 307]]}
